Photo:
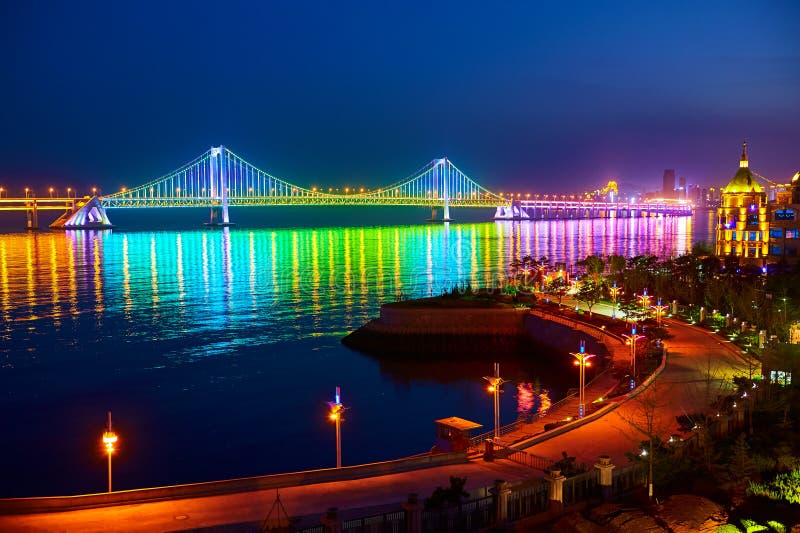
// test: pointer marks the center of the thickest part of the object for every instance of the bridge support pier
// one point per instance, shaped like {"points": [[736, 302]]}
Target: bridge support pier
{"points": [[32, 216]]}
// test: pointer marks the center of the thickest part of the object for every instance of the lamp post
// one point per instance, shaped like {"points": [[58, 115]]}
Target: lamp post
{"points": [[632, 339], [2, 190], [615, 292], [335, 414], [495, 383], [51, 192], [582, 361], [644, 299], [659, 311], [109, 440]]}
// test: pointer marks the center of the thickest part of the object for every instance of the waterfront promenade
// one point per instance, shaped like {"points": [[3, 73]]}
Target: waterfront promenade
{"points": [[697, 364]]}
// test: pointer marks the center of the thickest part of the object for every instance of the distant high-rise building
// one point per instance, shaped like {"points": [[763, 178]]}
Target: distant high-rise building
{"points": [[695, 195], [668, 188], [681, 189]]}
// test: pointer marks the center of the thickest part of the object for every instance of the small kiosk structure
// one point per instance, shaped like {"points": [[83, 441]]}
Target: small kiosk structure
{"points": [[453, 434]]}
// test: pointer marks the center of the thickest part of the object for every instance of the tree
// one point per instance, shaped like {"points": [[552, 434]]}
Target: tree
{"points": [[644, 417], [594, 266], [450, 496], [616, 264], [702, 249], [557, 288], [589, 292]]}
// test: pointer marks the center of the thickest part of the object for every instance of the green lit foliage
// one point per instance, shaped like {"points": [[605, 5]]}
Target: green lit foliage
{"points": [[776, 526], [557, 289], [590, 292], [785, 487], [594, 266], [751, 526]]}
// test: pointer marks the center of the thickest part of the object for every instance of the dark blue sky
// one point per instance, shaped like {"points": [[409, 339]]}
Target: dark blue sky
{"points": [[533, 96]]}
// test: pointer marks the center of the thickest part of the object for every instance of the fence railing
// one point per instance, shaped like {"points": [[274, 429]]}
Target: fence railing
{"points": [[383, 523], [472, 515], [524, 458]]}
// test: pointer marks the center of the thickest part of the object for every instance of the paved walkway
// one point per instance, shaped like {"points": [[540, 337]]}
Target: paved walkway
{"points": [[698, 363]]}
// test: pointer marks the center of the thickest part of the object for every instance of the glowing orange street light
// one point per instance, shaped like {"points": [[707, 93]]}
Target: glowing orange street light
{"points": [[335, 415], [26, 192], [644, 299], [69, 191], [615, 292], [109, 440], [94, 191], [632, 339], [659, 311], [582, 361], [51, 192], [495, 383], [1, 192]]}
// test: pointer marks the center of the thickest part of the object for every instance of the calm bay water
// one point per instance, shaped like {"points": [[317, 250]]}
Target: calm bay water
{"points": [[216, 350]]}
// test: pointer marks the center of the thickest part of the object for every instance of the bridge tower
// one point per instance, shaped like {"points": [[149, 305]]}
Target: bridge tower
{"points": [[219, 184], [440, 172]]}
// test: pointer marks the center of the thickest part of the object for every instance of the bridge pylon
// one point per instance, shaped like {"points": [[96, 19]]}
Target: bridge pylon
{"points": [[440, 176], [219, 185]]}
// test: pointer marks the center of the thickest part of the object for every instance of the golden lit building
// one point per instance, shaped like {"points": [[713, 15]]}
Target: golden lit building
{"points": [[742, 222]]}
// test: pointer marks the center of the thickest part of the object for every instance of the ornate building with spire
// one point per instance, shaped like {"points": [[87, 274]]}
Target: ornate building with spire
{"points": [[742, 218]]}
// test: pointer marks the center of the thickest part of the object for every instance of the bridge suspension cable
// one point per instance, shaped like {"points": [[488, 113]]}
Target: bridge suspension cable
{"points": [[221, 177]]}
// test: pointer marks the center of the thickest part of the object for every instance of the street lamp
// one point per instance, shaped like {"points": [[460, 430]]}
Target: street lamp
{"points": [[51, 192], [659, 311], [335, 414], [644, 299], [615, 292], [582, 361], [632, 339], [1, 192], [494, 387], [26, 192], [109, 440], [69, 192]]}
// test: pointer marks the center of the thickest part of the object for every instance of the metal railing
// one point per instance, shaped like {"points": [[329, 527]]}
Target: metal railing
{"points": [[472, 515], [382, 523]]}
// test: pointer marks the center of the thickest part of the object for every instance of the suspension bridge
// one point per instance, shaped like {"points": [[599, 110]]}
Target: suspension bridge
{"points": [[219, 179]]}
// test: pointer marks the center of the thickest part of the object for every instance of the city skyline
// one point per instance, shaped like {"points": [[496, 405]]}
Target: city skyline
{"points": [[365, 95]]}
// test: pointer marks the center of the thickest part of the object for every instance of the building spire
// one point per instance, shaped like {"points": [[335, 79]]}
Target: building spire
{"points": [[743, 160]]}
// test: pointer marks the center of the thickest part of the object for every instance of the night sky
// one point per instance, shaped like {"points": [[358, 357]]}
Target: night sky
{"points": [[529, 96]]}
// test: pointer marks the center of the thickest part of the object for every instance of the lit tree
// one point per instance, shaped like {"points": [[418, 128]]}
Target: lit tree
{"points": [[590, 293]]}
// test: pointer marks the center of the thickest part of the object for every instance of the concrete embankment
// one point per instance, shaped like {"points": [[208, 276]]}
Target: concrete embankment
{"points": [[230, 486], [414, 330]]}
